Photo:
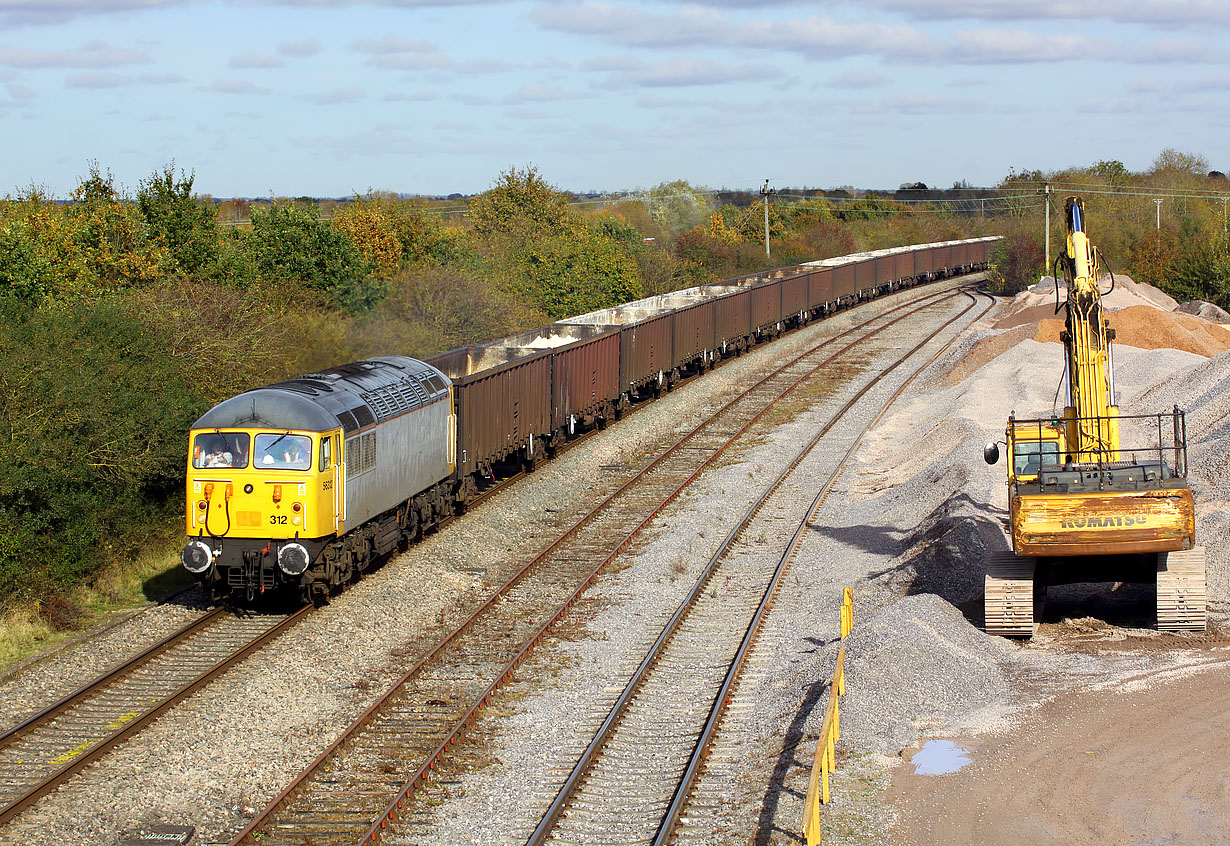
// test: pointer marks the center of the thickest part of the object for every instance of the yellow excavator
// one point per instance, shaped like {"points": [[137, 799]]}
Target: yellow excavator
{"points": [[1094, 495]]}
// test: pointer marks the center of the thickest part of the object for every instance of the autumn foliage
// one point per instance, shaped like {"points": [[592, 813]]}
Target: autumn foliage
{"points": [[123, 317]]}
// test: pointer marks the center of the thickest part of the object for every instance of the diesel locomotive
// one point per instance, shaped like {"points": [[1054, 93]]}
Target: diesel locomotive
{"points": [[305, 483]]}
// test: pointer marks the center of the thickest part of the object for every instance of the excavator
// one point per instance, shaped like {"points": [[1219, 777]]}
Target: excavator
{"points": [[1094, 495]]}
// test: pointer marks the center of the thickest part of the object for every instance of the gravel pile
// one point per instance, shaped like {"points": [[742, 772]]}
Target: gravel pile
{"points": [[1208, 311], [919, 666], [1203, 391]]}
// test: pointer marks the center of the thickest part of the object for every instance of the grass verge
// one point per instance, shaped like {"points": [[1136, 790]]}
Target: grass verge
{"points": [[28, 629]]}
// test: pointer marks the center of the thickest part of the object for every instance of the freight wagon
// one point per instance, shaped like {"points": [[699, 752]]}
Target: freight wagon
{"points": [[304, 483]]}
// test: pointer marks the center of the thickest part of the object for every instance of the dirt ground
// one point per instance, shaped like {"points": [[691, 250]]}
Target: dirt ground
{"points": [[1138, 763]]}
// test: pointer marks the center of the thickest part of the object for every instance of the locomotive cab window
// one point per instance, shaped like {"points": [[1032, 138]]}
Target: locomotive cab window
{"points": [[325, 462], [220, 449], [283, 451]]}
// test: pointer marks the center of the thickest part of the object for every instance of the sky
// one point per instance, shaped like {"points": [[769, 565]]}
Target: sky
{"points": [[263, 98]]}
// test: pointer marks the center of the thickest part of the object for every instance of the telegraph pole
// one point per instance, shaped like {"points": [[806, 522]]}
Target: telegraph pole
{"points": [[765, 192], [1159, 214], [1046, 191], [1224, 231]]}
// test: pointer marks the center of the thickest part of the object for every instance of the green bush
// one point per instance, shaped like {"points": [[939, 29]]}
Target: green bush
{"points": [[563, 275], [24, 273], [186, 227], [1201, 273], [1018, 260], [289, 243]]}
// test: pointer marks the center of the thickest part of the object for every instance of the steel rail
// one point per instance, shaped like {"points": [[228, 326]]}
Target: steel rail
{"points": [[18, 668], [128, 726], [70, 699], [392, 811], [248, 834], [120, 729], [718, 710], [601, 737]]}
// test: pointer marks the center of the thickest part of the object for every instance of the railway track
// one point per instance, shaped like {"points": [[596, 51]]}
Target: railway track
{"points": [[41, 752], [44, 751], [361, 783], [634, 778]]}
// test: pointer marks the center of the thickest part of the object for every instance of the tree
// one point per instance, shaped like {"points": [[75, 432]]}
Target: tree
{"points": [[564, 275], [677, 206], [1172, 160], [1018, 260], [1113, 171], [368, 225], [111, 237], [520, 199], [24, 273], [177, 220], [290, 243]]}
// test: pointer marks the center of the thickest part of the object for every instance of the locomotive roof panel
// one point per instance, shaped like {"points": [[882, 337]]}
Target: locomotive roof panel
{"points": [[350, 396]]}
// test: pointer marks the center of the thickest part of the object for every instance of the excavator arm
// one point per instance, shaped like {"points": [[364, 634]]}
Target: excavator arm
{"points": [[1091, 418]]}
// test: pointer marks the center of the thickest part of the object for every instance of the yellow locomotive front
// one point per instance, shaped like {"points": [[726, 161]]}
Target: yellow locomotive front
{"points": [[277, 489], [305, 483]]}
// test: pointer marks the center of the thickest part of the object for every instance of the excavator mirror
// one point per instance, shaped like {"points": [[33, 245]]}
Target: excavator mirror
{"points": [[990, 453]]}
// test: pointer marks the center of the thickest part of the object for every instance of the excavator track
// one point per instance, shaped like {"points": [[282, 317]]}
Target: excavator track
{"points": [[1009, 595], [1181, 591]]}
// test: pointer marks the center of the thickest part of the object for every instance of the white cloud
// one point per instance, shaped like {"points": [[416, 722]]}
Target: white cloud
{"points": [[300, 49], [256, 60], [104, 79], [859, 79], [695, 26], [410, 96], [237, 86], [19, 92], [14, 13], [689, 72], [395, 53], [392, 44], [160, 78], [337, 95], [96, 54], [538, 92], [1171, 50], [1212, 82], [1019, 46], [1160, 13]]}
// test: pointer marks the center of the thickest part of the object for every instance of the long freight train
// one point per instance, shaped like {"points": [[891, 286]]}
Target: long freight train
{"points": [[305, 483]]}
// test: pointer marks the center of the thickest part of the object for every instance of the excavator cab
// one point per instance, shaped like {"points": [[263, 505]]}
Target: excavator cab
{"points": [[1034, 444]]}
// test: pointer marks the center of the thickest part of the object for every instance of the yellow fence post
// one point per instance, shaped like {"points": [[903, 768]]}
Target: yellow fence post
{"points": [[825, 759]]}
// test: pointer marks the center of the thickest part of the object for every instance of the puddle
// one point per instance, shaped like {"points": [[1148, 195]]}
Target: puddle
{"points": [[938, 757]]}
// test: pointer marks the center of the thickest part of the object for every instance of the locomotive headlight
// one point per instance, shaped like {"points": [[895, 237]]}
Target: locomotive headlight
{"points": [[197, 556], [293, 559]]}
